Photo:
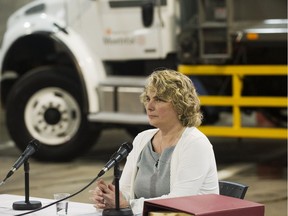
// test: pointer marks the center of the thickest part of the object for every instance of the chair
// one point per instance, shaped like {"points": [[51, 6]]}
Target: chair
{"points": [[232, 189]]}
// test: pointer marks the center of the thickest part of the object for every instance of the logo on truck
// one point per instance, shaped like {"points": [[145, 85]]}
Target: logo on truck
{"points": [[119, 41]]}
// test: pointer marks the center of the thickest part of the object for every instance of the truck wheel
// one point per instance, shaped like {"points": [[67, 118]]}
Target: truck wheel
{"points": [[45, 105]]}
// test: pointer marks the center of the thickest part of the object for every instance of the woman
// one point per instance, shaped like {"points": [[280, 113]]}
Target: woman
{"points": [[173, 160]]}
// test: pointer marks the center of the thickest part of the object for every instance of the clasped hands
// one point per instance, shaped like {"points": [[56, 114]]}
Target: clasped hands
{"points": [[104, 196]]}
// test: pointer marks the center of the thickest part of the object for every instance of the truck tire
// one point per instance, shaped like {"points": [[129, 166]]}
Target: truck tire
{"points": [[45, 104]]}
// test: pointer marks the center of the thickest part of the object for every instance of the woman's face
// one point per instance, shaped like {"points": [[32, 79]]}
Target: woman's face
{"points": [[160, 113]]}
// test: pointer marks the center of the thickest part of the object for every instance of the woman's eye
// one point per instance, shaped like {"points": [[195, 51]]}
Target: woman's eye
{"points": [[159, 99]]}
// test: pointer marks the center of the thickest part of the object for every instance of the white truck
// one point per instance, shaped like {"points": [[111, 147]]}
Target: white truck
{"points": [[70, 68]]}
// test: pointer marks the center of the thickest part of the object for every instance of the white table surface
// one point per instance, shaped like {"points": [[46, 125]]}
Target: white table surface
{"points": [[74, 208]]}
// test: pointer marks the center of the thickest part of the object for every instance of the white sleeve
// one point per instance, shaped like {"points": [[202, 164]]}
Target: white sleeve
{"points": [[192, 168], [127, 173], [130, 168]]}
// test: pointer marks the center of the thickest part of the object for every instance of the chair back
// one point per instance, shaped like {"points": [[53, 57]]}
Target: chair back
{"points": [[232, 189]]}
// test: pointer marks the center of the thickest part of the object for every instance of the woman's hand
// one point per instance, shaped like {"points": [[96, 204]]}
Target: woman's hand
{"points": [[97, 195], [104, 196]]}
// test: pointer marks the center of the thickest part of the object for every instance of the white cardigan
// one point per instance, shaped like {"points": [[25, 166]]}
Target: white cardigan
{"points": [[193, 167]]}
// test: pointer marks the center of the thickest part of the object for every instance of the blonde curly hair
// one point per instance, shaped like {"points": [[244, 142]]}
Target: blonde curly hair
{"points": [[177, 88]]}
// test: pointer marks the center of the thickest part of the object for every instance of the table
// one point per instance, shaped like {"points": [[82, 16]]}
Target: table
{"points": [[74, 208]]}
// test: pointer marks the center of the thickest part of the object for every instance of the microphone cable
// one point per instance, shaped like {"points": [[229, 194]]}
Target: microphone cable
{"points": [[53, 203]]}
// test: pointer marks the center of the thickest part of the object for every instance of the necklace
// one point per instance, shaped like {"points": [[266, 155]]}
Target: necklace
{"points": [[172, 142]]}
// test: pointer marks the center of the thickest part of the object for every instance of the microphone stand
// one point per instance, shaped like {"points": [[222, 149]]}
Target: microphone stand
{"points": [[117, 211], [27, 204]]}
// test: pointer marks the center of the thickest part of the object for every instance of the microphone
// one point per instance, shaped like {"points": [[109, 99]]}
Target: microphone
{"points": [[30, 149], [121, 153]]}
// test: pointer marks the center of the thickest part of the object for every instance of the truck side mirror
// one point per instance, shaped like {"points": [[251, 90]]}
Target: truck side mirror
{"points": [[147, 13]]}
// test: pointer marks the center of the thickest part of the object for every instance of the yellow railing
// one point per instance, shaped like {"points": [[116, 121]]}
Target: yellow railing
{"points": [[236, 101]]}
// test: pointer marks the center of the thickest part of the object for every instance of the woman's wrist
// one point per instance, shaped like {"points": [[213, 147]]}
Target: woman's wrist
{"points": [[124, 203]]}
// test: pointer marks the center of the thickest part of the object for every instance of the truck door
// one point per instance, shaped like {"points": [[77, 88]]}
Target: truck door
{"points": [[126, 31]]}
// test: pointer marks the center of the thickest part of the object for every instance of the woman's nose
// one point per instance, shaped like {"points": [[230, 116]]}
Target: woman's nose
{"points": [[150, 105]]}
